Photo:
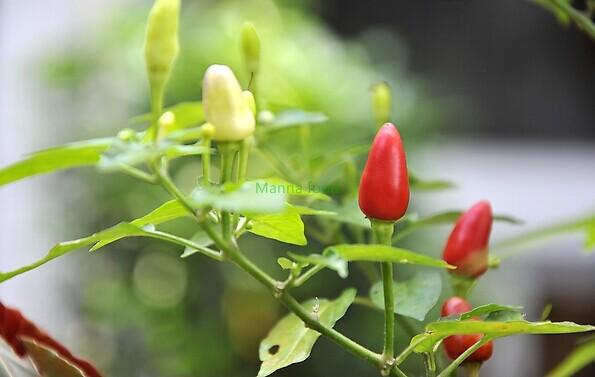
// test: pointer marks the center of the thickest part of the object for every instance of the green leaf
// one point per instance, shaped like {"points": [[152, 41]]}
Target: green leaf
{"points": [[437, 331], [187, 114], [579, 358], [347, 212], [285, 263], [200, 238], [135, 153], [294, 117], [417, 183], [410, 223], [328, 259], [290, 341], [415, 297], [382, 253], [118, 231], [307, 211], [84, 153], [488, 309], [284, 227], [168, 211], [275, 185], [250, 198], [48, 362], [526, 241]]}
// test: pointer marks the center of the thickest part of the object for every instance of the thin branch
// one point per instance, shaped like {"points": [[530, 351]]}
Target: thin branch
{"points": [[581, 19]]}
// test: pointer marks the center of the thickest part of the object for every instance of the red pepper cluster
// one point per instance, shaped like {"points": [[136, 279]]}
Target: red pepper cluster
{"points": [[455, 345], [14, 327], [467, 250]]}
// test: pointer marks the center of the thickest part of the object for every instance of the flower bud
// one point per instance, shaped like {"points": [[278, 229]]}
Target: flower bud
{"points": [[225, 106], [381, 102], [161, 40], [250, 47], [467, 245], [208, 131], [167, 123]]}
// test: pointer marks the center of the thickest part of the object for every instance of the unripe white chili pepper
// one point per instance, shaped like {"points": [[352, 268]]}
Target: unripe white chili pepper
{"points": [[226, 107]]}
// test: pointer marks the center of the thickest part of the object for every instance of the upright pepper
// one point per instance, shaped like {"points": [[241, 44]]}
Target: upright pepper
{"points": [[250, 47], [226, 107], [467, 245], [455, 345], [382, 102], [161, 49], [384, 186]]}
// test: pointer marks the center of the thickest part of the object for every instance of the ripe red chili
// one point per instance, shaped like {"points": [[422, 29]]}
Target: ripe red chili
{"points": [[14, 327], [467, 245], [455, 345], [384, 187]]}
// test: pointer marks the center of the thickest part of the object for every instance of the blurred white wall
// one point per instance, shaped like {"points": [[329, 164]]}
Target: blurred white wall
{"points": [[28, 208]]}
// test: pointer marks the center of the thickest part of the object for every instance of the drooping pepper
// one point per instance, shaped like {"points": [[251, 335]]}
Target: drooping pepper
{"points": [[14, 328], [467, 245], [384, 186], [226, 107], [455, 345]]}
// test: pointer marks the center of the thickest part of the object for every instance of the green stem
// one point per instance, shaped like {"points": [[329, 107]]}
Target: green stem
{"points": [[288, 300], [184, 242], [137, 173], [206, 162], [307, 275], [244, 154], [581, 19], [456, 362], [383, 232], [227, 153], [157, 93], [165, 181], [430, 363]]}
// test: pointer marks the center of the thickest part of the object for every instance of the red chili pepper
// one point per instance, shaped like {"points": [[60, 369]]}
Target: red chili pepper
{"points": [[455, 345], [14, 327], [384, 187], [467, 245]]}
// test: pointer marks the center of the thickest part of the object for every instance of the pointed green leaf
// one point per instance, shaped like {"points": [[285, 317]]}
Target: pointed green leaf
{"points": [[284, 227], [415, 297], [290, 341], [168, 211], [579, 358], [411, 223], [328, 259], [382, 253], [417, 183], [489, 309], [118, 231], [294, 117], [275, 185], [250, 198], [200, 238], [84, 153], [437, 331]]}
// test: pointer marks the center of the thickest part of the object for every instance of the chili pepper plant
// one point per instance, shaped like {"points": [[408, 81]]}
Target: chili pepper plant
{"points": [[224, 131]]}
